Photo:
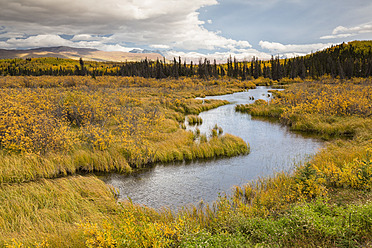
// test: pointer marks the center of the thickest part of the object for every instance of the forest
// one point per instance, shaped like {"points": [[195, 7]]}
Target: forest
{"points": [[353, 59]]}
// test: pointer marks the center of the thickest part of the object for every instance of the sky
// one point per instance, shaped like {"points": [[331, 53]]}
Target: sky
{"points": [[191, 29]]}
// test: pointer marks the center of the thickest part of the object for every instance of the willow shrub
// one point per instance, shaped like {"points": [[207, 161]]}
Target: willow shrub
{"points": [[27, 123]]}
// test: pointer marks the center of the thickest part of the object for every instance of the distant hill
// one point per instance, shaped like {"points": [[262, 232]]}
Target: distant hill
{"points": [[346, 60], [354, 49], [76, 53]]}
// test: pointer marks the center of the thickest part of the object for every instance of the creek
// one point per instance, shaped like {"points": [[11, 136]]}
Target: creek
{"points": [[273, 148]]}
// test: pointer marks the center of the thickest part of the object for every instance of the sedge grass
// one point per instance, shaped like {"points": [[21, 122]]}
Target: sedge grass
{"points": [[27, 167], [194, 120], [49, 210], [181, 147]]}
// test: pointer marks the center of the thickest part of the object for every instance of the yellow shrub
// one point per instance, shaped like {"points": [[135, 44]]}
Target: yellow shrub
{"points": [[27, 123], [96, 136], [345, 166], [98, 237]]}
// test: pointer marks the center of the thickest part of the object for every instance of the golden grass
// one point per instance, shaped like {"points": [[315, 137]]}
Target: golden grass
{"points": [[260, 108], [28, 167], [181, 146], [57, 126], [49, 210], [194, 120]]}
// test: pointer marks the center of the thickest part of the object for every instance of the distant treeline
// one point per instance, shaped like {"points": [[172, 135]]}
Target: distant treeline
{"points": [[344, 61]]}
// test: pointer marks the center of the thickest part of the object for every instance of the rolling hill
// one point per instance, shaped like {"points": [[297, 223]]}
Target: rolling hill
{"points": [[76, 53]]}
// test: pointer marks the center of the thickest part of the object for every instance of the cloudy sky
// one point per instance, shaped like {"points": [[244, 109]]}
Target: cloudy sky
{"points": [[186, 28]]}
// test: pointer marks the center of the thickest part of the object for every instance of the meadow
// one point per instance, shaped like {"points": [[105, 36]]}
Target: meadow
{"points": [[53, 127]]}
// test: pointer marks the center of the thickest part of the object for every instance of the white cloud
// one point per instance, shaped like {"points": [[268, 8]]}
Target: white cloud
{"points": [[220, 57], [276, 47], [337, 36], [86, 37], [162, 24], [343, 32], [159, 46], [186, 33], [364, 28], [56, 40], [171, 23], [36, 41], [11, 35], [92, 12], [104, 47]]}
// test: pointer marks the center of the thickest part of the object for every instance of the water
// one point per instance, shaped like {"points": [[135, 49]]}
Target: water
{"points": [[273, 148]]}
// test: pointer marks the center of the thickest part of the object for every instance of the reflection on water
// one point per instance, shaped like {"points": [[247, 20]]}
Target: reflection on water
{"points": [[273, 148]]}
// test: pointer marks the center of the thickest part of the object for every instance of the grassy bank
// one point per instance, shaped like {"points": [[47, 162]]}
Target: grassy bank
{"points": [[340, 175], [47, 212]]}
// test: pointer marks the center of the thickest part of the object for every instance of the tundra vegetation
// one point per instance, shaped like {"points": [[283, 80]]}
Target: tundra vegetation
{"points": [[56, 127], [52, 128]]}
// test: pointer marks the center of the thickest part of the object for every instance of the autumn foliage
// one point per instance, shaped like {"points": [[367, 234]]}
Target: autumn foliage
{"points": [[70, 124], [56, 126]]}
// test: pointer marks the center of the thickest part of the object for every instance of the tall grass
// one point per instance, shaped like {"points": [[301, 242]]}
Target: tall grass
{"points": [[257, 215], [27, 167], [49, 210], [260, 108], [194, 120], [227, 223], [179, 149]]}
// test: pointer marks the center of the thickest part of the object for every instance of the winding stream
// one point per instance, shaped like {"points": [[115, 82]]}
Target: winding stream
{"points": [[273, 148]]}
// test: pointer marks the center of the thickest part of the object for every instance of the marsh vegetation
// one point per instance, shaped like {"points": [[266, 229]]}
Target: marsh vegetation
{"points": [[53, 127]]}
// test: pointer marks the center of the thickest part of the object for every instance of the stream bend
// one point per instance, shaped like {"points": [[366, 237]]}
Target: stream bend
{"points": [[273, 148]]}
